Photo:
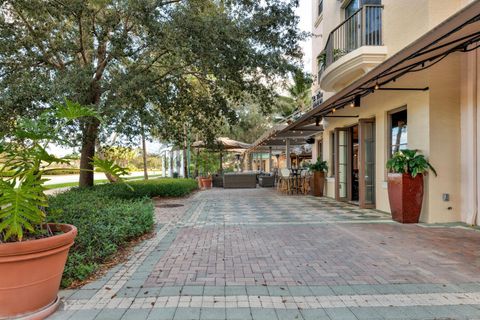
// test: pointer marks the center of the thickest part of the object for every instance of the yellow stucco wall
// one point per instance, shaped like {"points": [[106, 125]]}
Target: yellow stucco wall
{"points": [[377, 106], [433, 129], [433, 117], [444, 140]]}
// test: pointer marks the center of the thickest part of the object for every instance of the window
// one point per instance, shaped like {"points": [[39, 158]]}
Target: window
{"points": [[354, 5], [320, 149], [351, 8], [332, 154], [398, 131], [320, 7]]}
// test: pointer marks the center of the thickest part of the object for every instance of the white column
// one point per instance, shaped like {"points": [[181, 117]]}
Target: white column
{"points": [[164, 163], [178, 164], [171, 164], [469, 137], [182, 164]]}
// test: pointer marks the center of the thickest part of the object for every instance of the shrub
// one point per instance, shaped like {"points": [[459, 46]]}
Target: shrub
{"points": [[162, 187], [108, 216]]}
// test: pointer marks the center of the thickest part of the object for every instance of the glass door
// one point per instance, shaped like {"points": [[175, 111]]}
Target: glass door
{"points": [[367, 163], [341, 163]]}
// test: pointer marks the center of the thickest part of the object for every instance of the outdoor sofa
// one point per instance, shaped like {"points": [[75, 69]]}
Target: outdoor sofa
{"points": [[240, 180], [217, 180], [266, 181]]}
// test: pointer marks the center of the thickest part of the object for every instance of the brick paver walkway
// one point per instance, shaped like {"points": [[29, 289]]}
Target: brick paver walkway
{"points": [[257, 254]]}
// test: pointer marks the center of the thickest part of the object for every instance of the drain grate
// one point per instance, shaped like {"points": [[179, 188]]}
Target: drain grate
{"points": [[169, 205]]}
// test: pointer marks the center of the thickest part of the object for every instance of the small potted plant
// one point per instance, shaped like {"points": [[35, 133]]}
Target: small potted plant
{"points": [[206, 181], [318, 168], [405, 184], [33, 252], [206, 162]]}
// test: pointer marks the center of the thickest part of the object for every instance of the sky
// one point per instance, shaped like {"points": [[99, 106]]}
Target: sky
{"points": [[303, 11]]}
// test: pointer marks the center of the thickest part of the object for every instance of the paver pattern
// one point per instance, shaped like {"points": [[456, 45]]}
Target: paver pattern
{"points": [[257, 254]]}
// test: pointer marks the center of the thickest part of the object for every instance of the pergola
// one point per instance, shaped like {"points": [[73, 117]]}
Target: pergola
{"points": [[224, 144], [280, 138]]}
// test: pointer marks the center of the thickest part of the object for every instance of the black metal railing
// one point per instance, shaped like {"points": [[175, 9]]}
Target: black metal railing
{"points": [[317, 99], [363, 28]]}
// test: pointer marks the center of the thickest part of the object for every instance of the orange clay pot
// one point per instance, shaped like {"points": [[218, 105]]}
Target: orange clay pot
{"points": [[206, 183], [30, 274]]}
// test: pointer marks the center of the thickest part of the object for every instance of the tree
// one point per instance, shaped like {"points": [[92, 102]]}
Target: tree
{"points": [[110, 54], [299, 97]]}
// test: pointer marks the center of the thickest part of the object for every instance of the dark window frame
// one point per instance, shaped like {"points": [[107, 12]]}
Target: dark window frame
{"points": [[390, 127], [332, 154]]}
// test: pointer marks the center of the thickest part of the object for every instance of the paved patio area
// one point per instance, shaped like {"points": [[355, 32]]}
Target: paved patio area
{"points": [[256, 254]]}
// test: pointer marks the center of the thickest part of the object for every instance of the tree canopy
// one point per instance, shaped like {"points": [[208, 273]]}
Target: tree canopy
{"points": [[143, 63]]}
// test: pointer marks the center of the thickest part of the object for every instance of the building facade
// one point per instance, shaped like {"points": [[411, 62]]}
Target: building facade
{"points": [[432, 108]]}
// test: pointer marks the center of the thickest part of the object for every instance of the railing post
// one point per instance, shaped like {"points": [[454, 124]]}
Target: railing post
{"points": [[363, 26]]}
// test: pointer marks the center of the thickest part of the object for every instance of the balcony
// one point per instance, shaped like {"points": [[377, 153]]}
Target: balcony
{"points": [[352, 49]]}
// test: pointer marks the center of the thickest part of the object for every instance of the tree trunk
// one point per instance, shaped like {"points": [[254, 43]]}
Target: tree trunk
{"points": [[196, 163], [220, 170], [185, 160], [144, 150], [90, 134]]}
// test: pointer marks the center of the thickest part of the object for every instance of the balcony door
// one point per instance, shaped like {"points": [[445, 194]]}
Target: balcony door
{"points": [[351, 8]]}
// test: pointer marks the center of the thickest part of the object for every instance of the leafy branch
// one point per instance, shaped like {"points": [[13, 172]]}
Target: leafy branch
{"points": [[24, 160], [410, 162]]}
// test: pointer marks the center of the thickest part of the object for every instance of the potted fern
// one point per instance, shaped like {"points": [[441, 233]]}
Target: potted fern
{"points": [[33, 252], [405, 184], [318, 168]]}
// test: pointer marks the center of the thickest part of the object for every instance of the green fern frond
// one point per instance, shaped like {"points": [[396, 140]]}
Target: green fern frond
{"points": [[21, 204], [73, 110], [111, 168]]}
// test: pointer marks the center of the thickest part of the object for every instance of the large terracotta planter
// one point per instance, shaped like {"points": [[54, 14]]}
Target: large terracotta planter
{"points": [[406, 196], [318, 183], [206, 182], [30, 274]]}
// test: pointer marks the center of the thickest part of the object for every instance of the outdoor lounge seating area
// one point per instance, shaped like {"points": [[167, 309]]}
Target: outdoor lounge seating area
{"points": [[240, 180], [294, 181]]}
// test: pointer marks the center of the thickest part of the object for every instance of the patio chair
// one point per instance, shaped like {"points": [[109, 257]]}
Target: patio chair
{"points": [[284, 180], [306, 180]]}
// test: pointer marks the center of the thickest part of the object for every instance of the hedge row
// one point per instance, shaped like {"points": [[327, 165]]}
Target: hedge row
{"points": [[164, 187], [107, 217], [65, 171]]}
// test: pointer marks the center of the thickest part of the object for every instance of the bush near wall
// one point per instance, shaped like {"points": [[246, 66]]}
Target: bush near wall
{"points": [[108, 217]]}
